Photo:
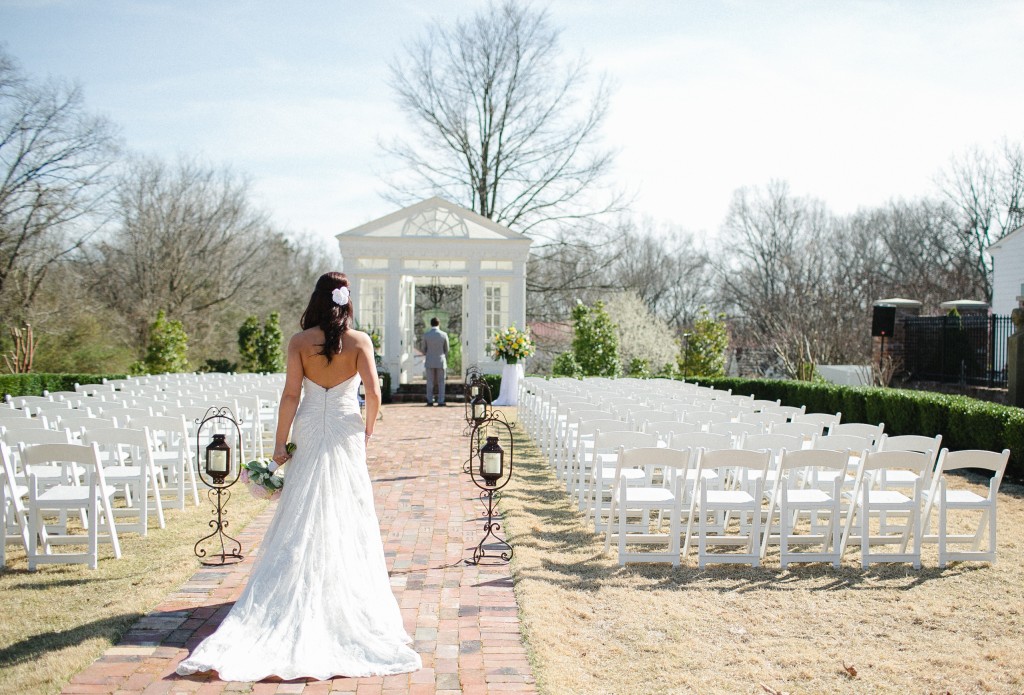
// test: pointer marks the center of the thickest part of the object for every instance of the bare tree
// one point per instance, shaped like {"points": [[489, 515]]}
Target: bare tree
{"points": [[986, 189], [501, 125], [54, 159], [186, 240]]}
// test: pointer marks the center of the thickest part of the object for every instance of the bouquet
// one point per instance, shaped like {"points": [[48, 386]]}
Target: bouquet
{"points": [[512, 345], [264, 477]]}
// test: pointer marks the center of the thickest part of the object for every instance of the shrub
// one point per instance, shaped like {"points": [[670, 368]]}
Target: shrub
{"points": [[34, 384], [493, 383], [565, 364], [703, 353], [167, 351], [269, 357], [595, 343]]}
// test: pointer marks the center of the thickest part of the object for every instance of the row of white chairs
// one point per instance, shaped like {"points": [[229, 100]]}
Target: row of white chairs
{"points": [[114, 473], [884, 492]]}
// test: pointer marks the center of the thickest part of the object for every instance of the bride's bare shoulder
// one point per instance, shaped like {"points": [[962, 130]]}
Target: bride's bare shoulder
{"points": [[358, 337], [307, 338]]}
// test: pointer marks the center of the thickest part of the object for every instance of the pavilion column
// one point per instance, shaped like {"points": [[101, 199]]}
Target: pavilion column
{"points": [[393, 337]]}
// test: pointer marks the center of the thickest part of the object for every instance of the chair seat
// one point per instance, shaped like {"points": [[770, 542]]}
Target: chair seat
{"points": [[808, 496], [648, 495], [737, 497], [115, 473], [608, 473], [67, 494], [955, 497], [888, 498]]}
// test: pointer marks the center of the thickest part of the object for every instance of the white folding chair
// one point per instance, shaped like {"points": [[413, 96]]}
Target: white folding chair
{"points": [[859, 429], [946, 500], [764, 419], [826, 420], [807, 430], [174, 459], [639, 503], [741, 497], [868, 501], [600, 470], [92, 498], [127, 455], [797, 494], [13, 498]]}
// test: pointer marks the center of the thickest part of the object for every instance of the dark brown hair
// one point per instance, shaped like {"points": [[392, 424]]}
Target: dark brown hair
{"points": [[323, 313]]}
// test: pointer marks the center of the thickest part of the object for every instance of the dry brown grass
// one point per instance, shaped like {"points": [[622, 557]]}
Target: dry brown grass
{"points": [[60, 618], [595, 627]]}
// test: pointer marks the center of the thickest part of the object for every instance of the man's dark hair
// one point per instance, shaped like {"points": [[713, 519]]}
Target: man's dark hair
{"points": [[435, 322]]}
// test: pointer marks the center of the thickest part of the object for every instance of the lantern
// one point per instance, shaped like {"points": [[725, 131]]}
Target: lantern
{"points": [[492, 461], [478, 408], [218, 458], [474, 390]]}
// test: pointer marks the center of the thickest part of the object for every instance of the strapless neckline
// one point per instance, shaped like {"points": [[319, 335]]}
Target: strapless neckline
{"points": [[330, 388]]}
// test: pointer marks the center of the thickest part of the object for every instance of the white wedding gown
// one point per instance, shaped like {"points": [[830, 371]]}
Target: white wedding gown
{"points": [[319, 602]]}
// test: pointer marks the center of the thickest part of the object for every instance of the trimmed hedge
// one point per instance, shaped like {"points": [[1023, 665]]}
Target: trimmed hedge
{"points": [[385, 386], [493, 384], [35, 384], [964, 423]]}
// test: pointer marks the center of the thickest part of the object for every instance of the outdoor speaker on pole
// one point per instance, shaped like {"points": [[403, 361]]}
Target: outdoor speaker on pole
{"points": [[883, 321]]}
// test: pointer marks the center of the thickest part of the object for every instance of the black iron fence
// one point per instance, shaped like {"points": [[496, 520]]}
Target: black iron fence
{"points": [[957, 349]]}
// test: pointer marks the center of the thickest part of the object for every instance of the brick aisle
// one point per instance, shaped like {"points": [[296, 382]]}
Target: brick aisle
{"points": [[463, 619]]}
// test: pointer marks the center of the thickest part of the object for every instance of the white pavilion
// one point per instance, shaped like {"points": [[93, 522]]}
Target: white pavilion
{"points": [[431, 242]]}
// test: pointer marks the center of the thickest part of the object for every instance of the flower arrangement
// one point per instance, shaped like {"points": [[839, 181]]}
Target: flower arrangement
{"points": [[264, 477], [512, 345]]}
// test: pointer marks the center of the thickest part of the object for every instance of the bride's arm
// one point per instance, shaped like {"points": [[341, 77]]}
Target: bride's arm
{"points": [[289, 399], [367, 368]]}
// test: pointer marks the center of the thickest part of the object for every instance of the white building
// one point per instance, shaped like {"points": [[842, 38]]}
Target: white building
{"points": [[1008, 271], [435, 241]]}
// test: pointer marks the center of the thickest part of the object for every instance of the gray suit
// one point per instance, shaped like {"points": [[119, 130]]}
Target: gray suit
{"points": [[435, 350]]}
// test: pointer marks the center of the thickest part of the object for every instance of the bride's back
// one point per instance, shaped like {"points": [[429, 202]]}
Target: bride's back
{"points": [[315, 366]]}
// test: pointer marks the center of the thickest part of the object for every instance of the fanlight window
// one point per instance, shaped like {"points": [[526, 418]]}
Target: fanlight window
{"points": [[438, 222]]}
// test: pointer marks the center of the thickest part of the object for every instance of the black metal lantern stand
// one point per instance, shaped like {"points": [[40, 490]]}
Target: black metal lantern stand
{"points": [[219, 473], [475, 387], [490, 468]]}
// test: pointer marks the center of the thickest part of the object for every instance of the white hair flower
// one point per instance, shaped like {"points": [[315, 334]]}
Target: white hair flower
{"points": [[340, 296]]}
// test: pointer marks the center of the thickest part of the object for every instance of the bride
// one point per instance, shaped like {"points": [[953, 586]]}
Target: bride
{"points": [[318, 603]]}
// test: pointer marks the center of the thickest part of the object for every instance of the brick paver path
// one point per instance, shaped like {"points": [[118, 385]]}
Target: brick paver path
{"points": [[464, 619]]}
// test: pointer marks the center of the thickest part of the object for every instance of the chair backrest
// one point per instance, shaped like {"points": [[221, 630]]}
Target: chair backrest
{"points": [[813, 458], [839, 442], [859, 429], [114, 439], [775, 443], [807, 430], [589, 428], [50, 454], [789, 411], [29, 437], [13, 414], [701, 417], [761, 404], [700, 440], [735, 429], [763, 418], [648, 457], [125, 415], [975, 458], [735, 458], [611, 441], [77, 423], [667, 428], [901, 460], [826, 420], [912, 442], [24, 423]]}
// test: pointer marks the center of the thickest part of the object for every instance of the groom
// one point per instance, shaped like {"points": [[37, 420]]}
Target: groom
{"points": [[435, 352]]}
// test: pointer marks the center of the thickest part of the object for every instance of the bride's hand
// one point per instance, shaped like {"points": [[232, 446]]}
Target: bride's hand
{"points": [[280, 455]]}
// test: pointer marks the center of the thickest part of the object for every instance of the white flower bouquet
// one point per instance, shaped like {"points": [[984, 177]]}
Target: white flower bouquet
{"points": [[264, 477]]}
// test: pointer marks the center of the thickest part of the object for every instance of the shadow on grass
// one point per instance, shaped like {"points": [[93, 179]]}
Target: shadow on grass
{"points": [[571, 556], [37, 646]]}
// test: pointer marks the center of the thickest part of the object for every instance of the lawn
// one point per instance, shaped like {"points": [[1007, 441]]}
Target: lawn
{"points": [[594, 627], [61, 618]]}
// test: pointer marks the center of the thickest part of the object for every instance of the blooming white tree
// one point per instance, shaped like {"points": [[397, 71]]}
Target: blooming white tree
{"points": [[642, 335]]}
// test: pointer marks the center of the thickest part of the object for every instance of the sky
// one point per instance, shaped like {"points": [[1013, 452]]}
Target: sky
{"points": [[851, 102]]}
